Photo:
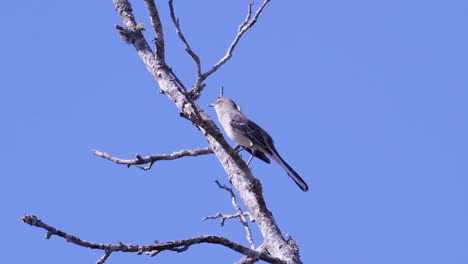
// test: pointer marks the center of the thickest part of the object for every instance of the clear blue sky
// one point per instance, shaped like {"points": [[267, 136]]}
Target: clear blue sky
{"points": [[367, 100]]}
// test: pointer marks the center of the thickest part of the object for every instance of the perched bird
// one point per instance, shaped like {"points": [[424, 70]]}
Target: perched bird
{"points": [[251, 136]]}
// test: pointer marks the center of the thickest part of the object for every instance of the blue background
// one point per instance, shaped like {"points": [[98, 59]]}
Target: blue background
{"points": [[367, 100]]}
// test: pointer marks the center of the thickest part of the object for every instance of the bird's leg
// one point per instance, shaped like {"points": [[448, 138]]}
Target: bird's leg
{"points": [[237, 149], [251, 157]]}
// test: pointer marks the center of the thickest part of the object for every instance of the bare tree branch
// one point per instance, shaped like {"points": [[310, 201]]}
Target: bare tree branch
{"points": [[199, 85], [224, 217], [158, 29], [189, 50], [151, 159], [247, 18], [246, 25], [159, 38], [240, 213], [176, 245]]}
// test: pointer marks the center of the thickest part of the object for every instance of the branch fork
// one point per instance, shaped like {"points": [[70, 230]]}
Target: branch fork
{"points": [[248, 22]]}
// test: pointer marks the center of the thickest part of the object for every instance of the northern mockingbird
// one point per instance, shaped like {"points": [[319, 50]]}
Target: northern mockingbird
{"points": [[251, 136]]}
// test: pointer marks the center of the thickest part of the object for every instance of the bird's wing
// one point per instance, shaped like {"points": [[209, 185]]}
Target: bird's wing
{"points": [[254, 132]]}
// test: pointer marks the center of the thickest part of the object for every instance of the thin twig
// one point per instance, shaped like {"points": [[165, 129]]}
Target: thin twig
{"points": [[157, 26], [221, 93], [224, 217], [184, 40], [246, 25], [151, 159], [104, 258], [242, 218], [174, 77], [247, 18], [176, 245]]}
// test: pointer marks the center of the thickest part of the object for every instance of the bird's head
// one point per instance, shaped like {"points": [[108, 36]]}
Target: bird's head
{"points": [[224, 103]]}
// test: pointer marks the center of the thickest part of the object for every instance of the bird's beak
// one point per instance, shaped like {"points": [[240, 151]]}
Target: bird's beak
{"points": [[211, 105]]}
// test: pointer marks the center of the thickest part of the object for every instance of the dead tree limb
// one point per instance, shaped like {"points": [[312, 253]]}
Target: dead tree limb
{"points": [[176, 22], [199, 85], [153, 249], [151, 159], [158, 29]]}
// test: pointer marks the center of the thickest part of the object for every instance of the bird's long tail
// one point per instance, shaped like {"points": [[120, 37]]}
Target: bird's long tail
{"points": [[292, 173]]}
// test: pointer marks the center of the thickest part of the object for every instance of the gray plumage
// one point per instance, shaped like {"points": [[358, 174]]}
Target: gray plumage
{"points": [[251, 136]]}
